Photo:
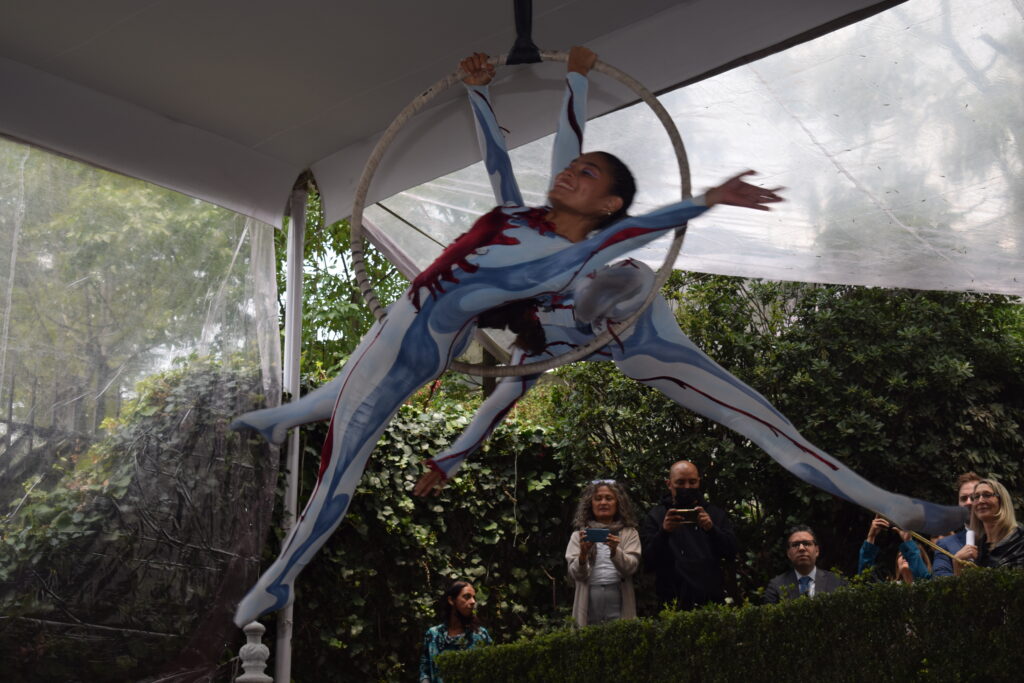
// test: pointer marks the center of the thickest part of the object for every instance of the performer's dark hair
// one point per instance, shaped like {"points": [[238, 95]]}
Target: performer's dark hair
{"points": [[623, 186], [470, 624], [520, 318]]}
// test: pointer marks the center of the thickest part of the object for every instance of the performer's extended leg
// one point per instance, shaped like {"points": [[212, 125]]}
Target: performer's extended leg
{"points": [[274, 423], [395, 358], [659, 354]]}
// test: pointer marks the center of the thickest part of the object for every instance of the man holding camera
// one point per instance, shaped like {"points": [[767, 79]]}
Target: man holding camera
{"points": [[685, 540], [804, 579]]}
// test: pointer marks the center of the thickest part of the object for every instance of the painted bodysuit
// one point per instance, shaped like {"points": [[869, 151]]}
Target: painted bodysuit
{"points": [[512, 255]]}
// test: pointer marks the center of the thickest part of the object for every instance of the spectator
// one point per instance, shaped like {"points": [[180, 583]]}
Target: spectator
{"points": [[459, 629], [805, 578], [1000, 538], [910, 563], [943, 564], [603, 569], [685, 541]]}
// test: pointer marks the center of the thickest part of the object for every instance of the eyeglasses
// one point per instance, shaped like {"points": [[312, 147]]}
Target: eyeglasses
{"points": [[983, 495], [798, 544]]}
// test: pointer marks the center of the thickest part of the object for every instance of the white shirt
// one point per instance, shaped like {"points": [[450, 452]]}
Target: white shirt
{"points": [[603, 572]]}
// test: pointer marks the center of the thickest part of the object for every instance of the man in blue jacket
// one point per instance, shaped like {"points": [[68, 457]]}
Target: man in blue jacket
{"points": [[942, 565]]}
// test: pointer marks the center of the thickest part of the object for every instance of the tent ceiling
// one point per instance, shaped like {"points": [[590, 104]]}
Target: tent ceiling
{"points": [[229, 101], [897, 138]]}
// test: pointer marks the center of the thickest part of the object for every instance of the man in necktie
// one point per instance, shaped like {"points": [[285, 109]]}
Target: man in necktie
{"points": [[805, 578]]}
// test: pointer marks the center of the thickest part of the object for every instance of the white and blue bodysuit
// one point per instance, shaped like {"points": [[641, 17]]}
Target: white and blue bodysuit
{"points": [[510, 255]]}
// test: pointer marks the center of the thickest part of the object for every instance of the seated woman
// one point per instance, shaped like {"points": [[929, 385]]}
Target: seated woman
{"points": [[911, 563], [459, 629], [514, 253], [603, 569], [1000, 538]]}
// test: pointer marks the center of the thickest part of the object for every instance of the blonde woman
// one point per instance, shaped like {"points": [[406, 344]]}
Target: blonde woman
{"points": [[1000, 537], [603, 554]]}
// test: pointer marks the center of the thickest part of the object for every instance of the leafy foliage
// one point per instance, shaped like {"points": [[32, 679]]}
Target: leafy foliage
{"points": [[334, 315], [127, 541], [851, 367], [364, 602]]}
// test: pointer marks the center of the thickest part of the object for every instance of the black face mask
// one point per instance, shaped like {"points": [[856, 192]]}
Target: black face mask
{"points": [[687, 498]]}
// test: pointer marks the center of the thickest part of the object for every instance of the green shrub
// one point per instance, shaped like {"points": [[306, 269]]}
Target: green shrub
{"points": [[949, 629]]}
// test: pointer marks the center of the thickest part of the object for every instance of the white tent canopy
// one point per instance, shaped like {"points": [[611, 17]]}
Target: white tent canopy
{"points": [[896, 135], [230, 101]]}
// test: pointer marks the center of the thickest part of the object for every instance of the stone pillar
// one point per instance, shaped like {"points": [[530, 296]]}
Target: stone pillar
{"points": [[254, 655]]}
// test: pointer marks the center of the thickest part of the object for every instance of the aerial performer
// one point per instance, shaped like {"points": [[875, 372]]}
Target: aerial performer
{"points": [[551, 258]]}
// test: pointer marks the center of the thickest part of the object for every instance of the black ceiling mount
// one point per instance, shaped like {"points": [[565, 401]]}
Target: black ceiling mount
{"points": [[523, 50]]}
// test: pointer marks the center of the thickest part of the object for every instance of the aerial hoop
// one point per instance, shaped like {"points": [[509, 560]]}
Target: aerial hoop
{"points": [[605, 337]]}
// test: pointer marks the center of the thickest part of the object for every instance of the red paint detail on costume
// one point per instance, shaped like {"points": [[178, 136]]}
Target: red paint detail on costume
{"points": [[573, 123], [773, 428], [325, 452], [486, 231]]}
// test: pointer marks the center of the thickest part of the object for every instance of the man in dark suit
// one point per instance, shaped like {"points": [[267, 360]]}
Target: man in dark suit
{"points": [[943, 566], [804, 578]]}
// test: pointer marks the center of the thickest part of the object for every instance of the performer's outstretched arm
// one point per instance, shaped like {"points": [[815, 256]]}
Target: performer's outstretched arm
{"points": [[489, 136]]}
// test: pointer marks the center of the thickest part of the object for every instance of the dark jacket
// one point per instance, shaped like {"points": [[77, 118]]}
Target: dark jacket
{"points": [[687, 563], [1008, 553], [785, 586]]}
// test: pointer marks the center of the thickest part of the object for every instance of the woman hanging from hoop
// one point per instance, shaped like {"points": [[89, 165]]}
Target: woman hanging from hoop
{"points": [[511, 254]]}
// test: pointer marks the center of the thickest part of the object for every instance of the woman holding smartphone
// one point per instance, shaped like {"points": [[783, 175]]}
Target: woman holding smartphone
{"points": [[603, 554]]}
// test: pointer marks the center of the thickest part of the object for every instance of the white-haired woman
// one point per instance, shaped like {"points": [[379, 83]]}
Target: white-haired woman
{"points": [[603, 554]]}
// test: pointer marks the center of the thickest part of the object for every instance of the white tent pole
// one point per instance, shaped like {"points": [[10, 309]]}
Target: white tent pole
{"points": [[292, 352]]}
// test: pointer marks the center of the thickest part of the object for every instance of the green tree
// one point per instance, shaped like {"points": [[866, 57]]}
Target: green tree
{"points": [[334, 315]]}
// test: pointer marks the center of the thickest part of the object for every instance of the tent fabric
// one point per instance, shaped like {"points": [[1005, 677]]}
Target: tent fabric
{"points": [[135, 323], [230, 101], [896, 138]]}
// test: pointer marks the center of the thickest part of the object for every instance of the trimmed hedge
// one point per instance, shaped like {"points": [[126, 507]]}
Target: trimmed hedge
{"points": [[947, 629]]}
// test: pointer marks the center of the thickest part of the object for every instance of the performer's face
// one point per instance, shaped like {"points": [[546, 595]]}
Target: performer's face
{"points": [[604, 505], [802, 551], [584, 187]]}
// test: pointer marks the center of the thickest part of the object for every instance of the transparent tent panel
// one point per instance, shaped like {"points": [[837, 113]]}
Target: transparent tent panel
{"points": [[896, 139], [135, 323]]}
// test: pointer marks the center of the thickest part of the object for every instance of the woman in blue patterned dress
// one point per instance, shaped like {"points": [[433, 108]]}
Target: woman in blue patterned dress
{"points": [[459, 629]]}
